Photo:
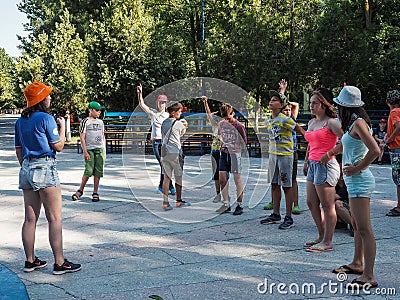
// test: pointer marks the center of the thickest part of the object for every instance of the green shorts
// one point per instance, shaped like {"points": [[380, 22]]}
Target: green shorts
{"points": [[95, 165]]}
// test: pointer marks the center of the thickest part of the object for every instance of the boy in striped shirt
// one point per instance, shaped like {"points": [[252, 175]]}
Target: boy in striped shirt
{"points": [[280, 168]]}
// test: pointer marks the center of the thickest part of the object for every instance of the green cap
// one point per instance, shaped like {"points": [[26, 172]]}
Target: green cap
{"points": [[95, 105]]}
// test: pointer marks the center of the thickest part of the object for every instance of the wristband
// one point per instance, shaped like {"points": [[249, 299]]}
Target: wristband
{"points": [[305, 162]]}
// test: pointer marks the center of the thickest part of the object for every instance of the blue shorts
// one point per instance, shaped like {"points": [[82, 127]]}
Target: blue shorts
{"points": [[361, 185], [38, 173], [230, 162], [318, 173]]}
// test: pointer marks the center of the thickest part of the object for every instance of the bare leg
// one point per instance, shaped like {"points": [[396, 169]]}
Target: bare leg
{"points": [[295, 192], [276, 195], [313, 204], [326, 195], [360, 210], [239, 187], [223, 181], [165, 187], [96, 182], [52, 202], [381, 148], [398, 198], [178, 187], [32, 204], [83, 182], [289, 199], [217, 186], [342, 212]]}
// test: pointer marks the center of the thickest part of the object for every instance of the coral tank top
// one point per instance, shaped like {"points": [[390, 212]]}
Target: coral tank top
{"points": [[320, 141]]}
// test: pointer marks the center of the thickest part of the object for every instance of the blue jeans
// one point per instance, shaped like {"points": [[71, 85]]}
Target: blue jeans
{"points": [[157, 151]]}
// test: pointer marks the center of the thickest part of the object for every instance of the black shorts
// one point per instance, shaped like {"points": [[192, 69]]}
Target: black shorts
{"points": [[215, 155]]}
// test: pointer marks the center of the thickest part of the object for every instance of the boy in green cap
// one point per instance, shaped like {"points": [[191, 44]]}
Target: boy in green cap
{"points": [[91, 131]]}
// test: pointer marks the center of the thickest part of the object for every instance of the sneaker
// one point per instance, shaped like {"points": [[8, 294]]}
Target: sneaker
{"points": [[217, 198], [35, 265], [160, 190], [287, 223], [181, 203], [273, 218], [172, 191], [238, 210], [296, 210], [269, 206], [66, 267], [167, 206], [225, 208]]}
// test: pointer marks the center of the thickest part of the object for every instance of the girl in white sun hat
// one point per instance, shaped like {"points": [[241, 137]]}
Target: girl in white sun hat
{"points": [[359, 151]]}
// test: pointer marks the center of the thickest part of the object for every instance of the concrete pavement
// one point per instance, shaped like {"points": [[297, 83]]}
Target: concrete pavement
{"points": [[130, 249]]}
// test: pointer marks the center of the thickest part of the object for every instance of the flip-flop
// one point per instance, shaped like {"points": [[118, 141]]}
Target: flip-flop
{"points": [[361, 285], [346, 269], [318, 249], [393, 213], [310, 243]]}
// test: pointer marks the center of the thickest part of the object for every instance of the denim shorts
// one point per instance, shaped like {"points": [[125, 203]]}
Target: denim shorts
{"points": [[38, 173], [318, 173], [361, 185]]}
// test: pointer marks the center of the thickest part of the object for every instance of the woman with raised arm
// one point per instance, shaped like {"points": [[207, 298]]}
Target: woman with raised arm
{"points": [[215, 150], [157, 117]]}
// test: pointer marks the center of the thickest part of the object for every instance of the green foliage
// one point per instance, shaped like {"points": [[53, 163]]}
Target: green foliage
{"points": [[66, 67], [117, 47], [101, 49], [7, 66]]}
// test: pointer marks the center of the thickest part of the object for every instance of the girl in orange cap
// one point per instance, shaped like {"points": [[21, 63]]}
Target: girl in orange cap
{"points": [[37, 139]]}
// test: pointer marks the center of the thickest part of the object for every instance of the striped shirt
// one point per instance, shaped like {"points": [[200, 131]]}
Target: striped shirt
{"points": [[280, 135]]}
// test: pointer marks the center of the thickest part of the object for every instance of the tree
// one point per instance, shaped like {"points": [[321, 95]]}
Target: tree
{"points": [[7, 66], [59, 59], [117, 45]]}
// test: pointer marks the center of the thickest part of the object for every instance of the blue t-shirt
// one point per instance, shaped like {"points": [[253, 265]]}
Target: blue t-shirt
{"points": [[35, 135]]}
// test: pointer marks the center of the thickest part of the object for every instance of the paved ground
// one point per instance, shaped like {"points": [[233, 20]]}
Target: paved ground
{"points": [[131, 249]]}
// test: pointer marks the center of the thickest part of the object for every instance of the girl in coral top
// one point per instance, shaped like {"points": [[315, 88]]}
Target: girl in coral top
{"points": [[321, 168]]}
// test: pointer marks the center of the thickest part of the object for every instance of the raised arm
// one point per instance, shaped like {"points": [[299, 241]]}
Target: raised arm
{"points": [[282, 86], [295, 109], [140, 99], [208, 112]]}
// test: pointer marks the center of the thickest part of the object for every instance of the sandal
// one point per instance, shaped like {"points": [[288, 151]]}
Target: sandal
{"points": [[318, 249], [346, 269], [361, 285], [311, 243], [393, 213], [77, 195], [95, 197]]}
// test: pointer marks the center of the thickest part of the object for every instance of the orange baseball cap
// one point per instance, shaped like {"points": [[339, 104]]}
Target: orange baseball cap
{"points": [[36, 92]]}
